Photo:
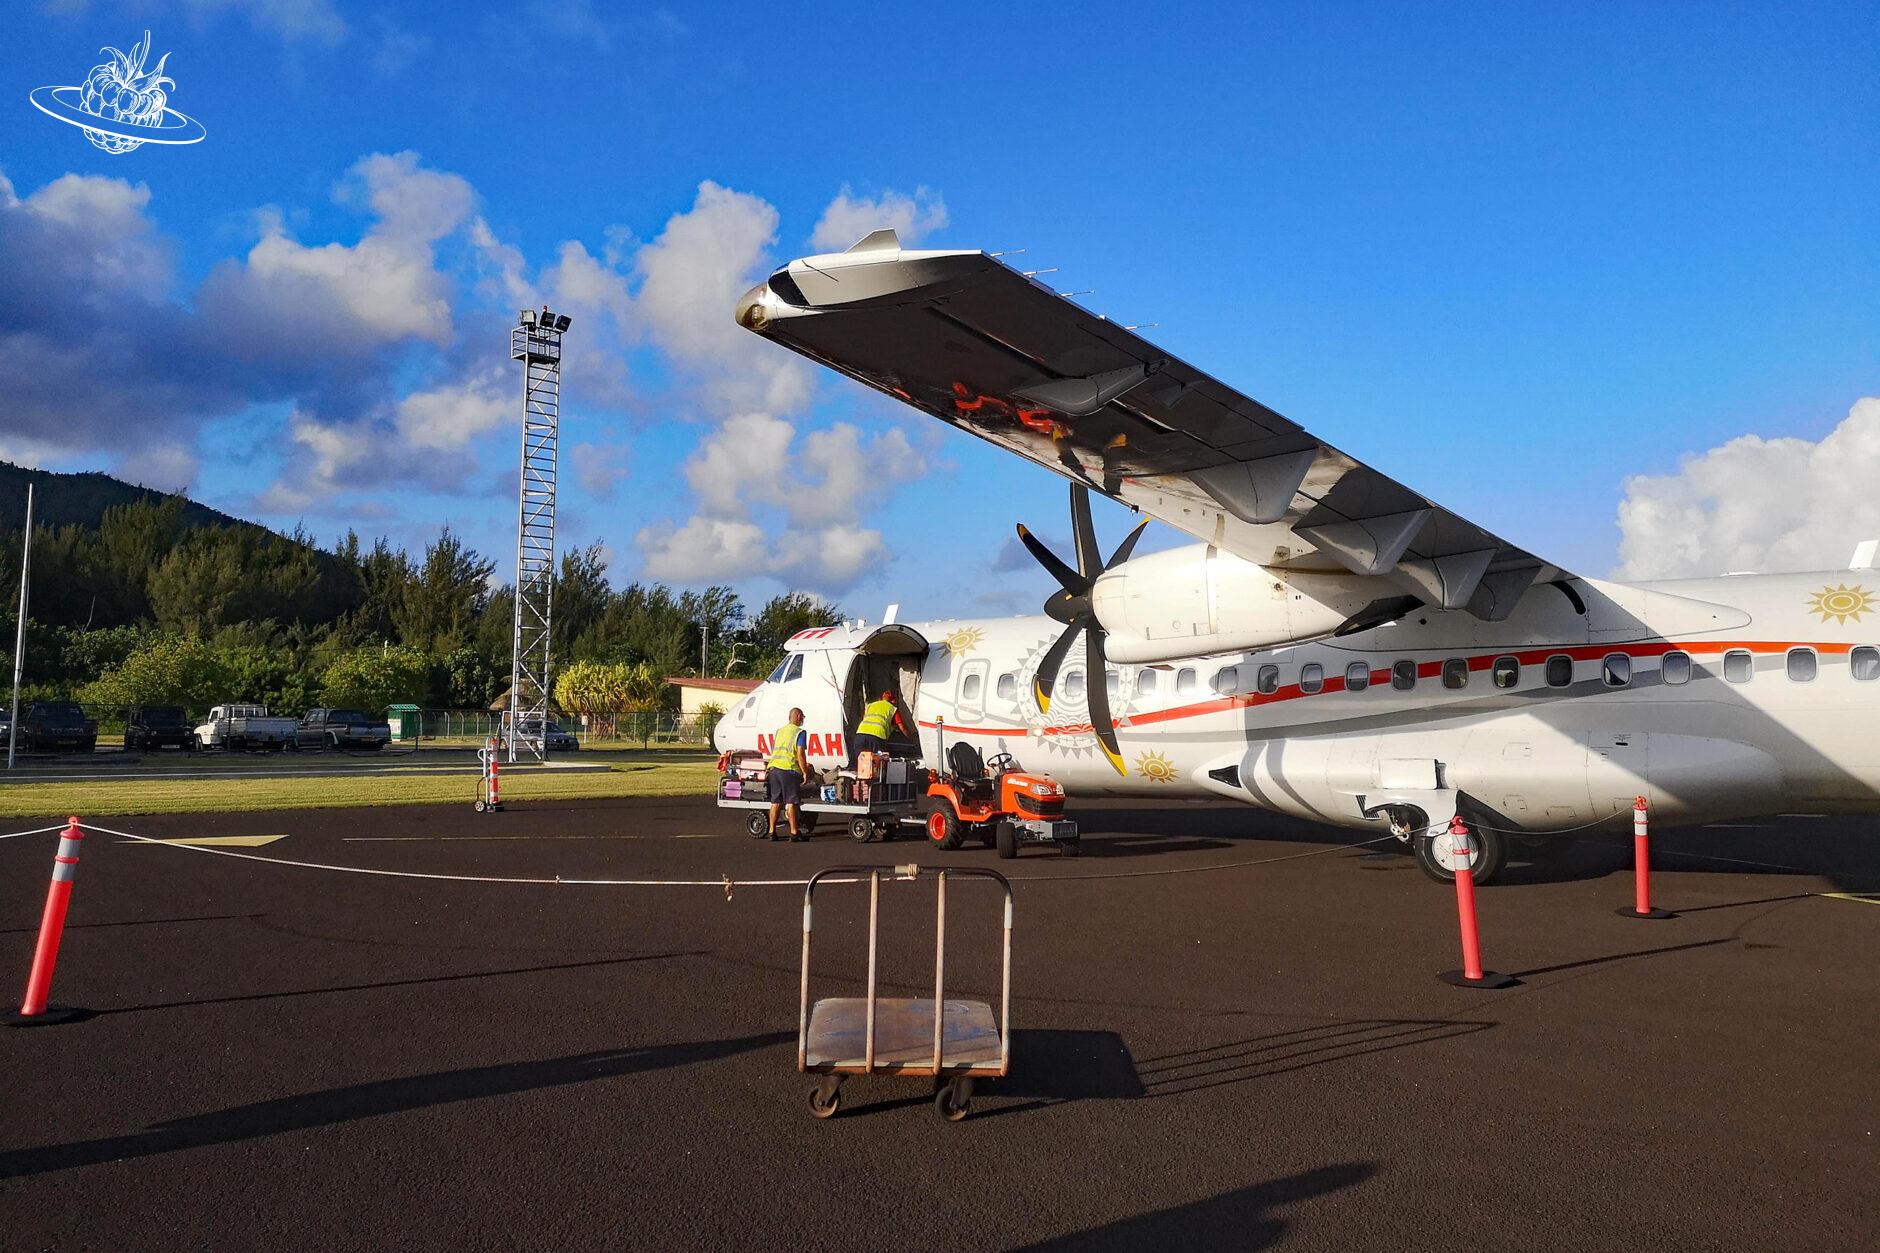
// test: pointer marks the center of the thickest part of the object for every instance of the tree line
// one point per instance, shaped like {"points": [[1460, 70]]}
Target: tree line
{"points": [[149, 607]]}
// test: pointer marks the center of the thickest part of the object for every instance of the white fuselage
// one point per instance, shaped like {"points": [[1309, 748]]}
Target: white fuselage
{"points": [[1776, 710]]}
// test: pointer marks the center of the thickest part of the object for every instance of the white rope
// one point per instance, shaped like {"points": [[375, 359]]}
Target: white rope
{"points": [[14, 835], [723, 881]]}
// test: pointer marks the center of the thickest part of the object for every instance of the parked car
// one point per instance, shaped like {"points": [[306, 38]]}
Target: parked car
{"points": [[341, 729], [150, 727], [243, 726], [556, 740], [56, 724]]}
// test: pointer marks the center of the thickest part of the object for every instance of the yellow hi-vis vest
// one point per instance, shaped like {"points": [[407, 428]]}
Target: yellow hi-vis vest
{"points": [[783, 751], [876, 719]]}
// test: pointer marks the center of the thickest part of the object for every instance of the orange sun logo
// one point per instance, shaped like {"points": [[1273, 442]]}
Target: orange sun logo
{"points": [[1156, 768], [1841, 603]]}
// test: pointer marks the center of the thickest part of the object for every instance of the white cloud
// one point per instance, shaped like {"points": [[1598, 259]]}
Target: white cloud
{"points": [[691, 275], [850, 217], [598, 468], [1757, 504], [314, 21], [705, 550], [745, 461], [166, 467]]}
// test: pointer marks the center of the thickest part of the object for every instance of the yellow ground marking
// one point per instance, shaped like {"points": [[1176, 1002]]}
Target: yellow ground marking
{"points": [[235, 841], [1865, 898]]}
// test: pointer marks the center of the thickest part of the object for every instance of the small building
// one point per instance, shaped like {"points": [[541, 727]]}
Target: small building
{"points": [[695, 694]]}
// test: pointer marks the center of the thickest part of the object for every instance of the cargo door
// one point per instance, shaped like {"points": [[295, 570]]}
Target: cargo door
{"points": [[887, 659]]}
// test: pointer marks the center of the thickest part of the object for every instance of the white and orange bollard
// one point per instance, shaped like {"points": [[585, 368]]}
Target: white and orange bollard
{"points": [[35, 1008], [1641, 906], [1455, 851]]}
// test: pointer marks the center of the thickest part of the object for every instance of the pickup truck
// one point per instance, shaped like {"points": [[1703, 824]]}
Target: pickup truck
{"points": [[341, 729], [56, 724], [150, 727], [244, 726]]}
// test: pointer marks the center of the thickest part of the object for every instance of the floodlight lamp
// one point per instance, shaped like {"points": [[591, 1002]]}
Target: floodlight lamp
{"points": [[561, 322], [528, 317]]}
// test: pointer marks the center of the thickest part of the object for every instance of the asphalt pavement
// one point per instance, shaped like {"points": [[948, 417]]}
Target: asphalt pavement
{"points": [[1229, 1034]]}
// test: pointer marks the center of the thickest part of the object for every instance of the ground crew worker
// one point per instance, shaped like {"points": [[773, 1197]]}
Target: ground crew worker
{"points": [[871, 735], [789, 764]]}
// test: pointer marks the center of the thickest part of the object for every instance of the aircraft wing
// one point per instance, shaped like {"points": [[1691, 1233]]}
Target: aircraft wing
{"points": [[983, 347]]}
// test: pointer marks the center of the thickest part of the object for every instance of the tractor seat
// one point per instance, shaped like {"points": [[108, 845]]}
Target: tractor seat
{"points": [[966, 763]]}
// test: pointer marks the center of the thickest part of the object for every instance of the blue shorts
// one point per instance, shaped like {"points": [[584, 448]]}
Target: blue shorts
{"points": [[783, 787]]}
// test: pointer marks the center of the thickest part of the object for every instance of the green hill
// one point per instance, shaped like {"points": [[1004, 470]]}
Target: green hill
{"points": [[81, 499]]}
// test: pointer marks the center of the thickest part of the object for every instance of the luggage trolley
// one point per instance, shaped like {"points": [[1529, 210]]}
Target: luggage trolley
{"points": [[870, 1035], [890, 801]]}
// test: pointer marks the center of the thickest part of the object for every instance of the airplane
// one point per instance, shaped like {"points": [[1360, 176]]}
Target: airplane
{"points": [[1336, 646]]}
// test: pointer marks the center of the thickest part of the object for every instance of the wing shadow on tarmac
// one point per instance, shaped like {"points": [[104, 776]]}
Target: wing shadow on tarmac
{"points": [[370, 1100], [1237, 1220], [1054, 1067]]}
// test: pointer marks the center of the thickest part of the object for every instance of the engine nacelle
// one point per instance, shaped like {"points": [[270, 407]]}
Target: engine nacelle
{"points": [[1197, 600]]}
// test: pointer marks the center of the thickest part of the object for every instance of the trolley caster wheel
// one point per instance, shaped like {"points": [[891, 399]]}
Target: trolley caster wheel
{"points": [[825, 1099], [758, 824], [953, 1101], [861, 830]]}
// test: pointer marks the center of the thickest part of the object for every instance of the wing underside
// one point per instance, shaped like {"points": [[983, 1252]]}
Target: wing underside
{"points": [[989, 350]]}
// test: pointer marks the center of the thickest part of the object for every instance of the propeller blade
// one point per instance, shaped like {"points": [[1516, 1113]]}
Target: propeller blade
{"points": [[1045, 676], [1084, 534], [1096, 683], [1067, 578], [1127, 547]]}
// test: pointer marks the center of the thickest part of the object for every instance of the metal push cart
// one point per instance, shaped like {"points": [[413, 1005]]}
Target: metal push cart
{"points": [[870, 1035]]}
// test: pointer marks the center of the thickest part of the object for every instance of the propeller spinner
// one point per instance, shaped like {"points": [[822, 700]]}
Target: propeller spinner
{"points": [[1070, 604]]}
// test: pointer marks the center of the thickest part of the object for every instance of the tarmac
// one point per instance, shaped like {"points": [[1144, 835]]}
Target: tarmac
{"points": [[1228, 1034]]}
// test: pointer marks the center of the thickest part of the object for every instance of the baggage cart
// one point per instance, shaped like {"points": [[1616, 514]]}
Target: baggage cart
{"points": [[889, 802], [874, 1035]]}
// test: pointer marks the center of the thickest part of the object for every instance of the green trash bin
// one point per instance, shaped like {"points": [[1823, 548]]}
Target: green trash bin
{"points": [[404, 721]]}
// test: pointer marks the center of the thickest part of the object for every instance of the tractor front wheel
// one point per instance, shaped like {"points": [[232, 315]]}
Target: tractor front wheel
{"points": [[943, 826]]}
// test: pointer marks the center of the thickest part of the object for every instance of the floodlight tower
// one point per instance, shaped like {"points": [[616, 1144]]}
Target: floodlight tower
{"points": [[536, 342]]}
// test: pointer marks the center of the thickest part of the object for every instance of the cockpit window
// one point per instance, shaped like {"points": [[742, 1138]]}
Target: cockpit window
{"points": [[796, 669], [776, 676]]}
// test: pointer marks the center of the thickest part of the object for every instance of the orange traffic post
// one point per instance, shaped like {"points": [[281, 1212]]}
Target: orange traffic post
{"points": [[1641, 906], [34, 1008], [496, 795], [1455, 850]]}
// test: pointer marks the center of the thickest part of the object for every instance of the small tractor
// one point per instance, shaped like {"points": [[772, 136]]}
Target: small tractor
{"points": [[997, 802]]}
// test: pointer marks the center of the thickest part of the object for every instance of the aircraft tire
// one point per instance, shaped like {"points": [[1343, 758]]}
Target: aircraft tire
{"points": [[1488, 862]]}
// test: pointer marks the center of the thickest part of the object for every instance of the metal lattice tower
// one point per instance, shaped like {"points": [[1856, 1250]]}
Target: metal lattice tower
{"points": [[536, 342]]}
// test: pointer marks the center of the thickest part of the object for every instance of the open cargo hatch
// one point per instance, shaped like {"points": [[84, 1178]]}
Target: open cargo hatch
{"points": [[887, 658]]}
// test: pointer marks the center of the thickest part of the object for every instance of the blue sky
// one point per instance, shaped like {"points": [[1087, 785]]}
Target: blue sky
{"points": [[1542, 262]]}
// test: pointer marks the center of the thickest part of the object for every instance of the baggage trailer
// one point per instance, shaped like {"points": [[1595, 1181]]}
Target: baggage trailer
{"points": [[840, 1036], [875, 815]]}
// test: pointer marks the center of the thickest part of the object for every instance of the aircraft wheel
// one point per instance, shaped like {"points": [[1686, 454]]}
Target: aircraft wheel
{"points": [[1491, 853]]}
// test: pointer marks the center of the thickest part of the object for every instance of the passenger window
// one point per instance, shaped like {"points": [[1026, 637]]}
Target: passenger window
{"points": [[1456, 672], [1864, 663], [1559, 670], [1357, 676], [1145, 682], [1113, 684], [1507, 672], [1074, 683], [1311, 678], [1738, 665], [970, 687], [1616, 669], [1266, 680], [1185, 682], [796, 669], [1008, 687], [1675, 668], [1802, 664], [1403, 674], [1226, 680]]}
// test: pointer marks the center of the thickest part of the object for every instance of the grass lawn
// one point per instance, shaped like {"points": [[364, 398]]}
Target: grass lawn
{"points": [[201, 796]]}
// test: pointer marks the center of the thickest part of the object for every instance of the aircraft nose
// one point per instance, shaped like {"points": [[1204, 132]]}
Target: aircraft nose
{"points": [[754, 309]]}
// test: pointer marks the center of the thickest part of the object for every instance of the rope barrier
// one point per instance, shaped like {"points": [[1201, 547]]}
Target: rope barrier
{"points": [[725, 882], [14, 835]]}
